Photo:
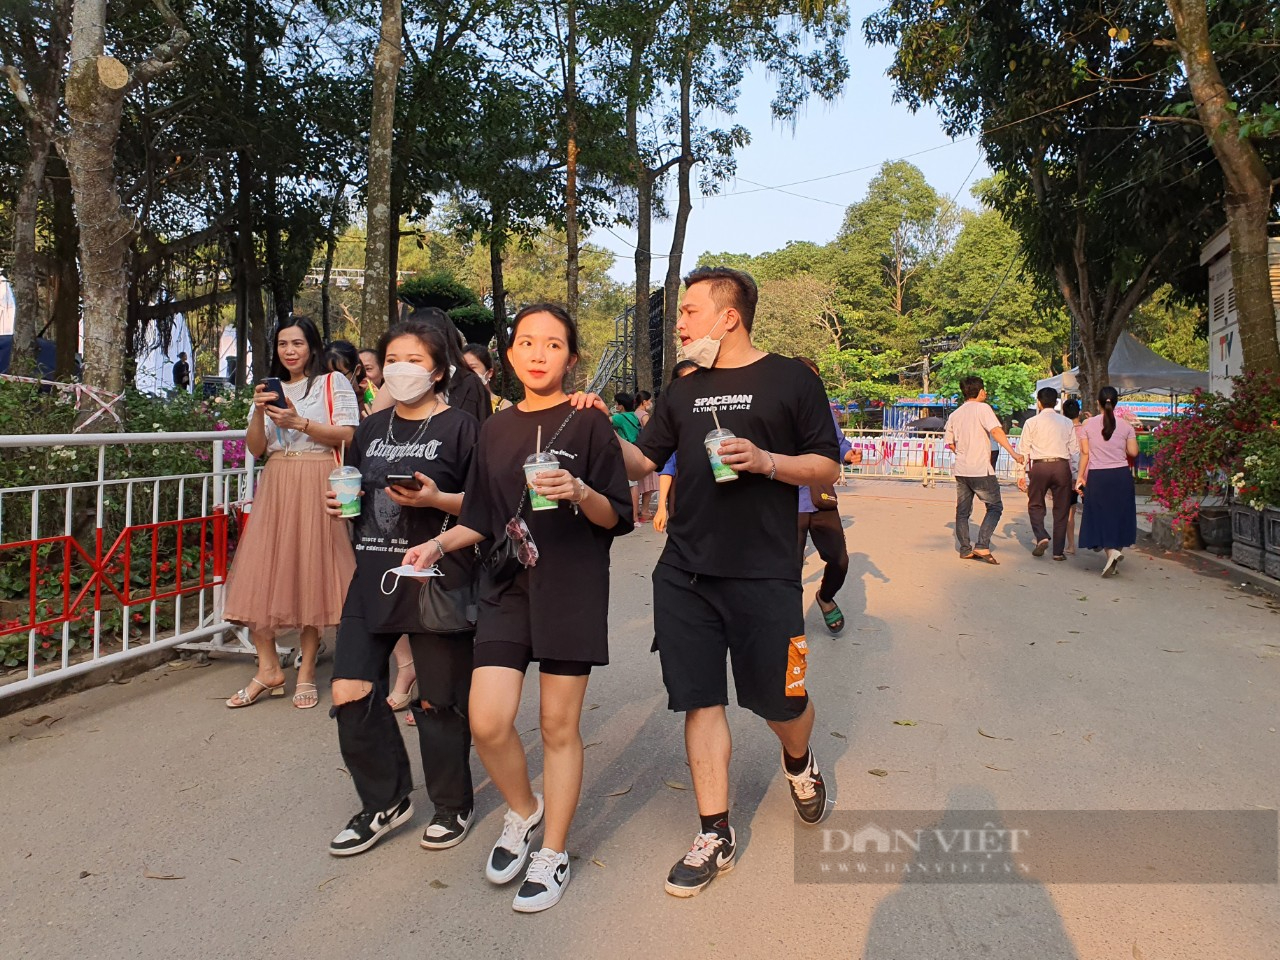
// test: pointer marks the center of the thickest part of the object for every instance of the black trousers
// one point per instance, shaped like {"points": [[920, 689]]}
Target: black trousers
{"points": [[827, 532], [369, 737], [1053, 477]]}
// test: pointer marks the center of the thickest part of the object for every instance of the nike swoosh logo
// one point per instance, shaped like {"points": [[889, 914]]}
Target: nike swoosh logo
{"points": [[723, 858]]}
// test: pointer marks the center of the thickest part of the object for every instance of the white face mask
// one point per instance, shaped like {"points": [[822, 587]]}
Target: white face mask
{"points": [[704, 350], [407, 382]]}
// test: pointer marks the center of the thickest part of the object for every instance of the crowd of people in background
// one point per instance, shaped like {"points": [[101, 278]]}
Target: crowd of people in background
{"points": [[475, 536]]}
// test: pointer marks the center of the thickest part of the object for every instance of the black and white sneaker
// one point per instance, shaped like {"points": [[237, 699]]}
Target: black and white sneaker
{"points": [[447, 830], [544, 883], [808, 792], [367, 828], [710, 856], [511, 852]]}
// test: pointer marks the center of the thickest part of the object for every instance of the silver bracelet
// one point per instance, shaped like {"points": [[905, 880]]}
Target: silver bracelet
{"points": [[439, 546], [773, 465]]}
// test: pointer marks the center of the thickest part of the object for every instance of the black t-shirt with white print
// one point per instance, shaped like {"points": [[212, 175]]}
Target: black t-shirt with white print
{"points": [[441, 450], [745, 528], [569, 585]]}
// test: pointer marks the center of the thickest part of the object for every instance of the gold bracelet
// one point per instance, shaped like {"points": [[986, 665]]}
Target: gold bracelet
{"points": [[306, 426]]}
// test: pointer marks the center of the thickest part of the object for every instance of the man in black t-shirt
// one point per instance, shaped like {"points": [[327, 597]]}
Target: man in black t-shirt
{"points": [[728, 581], [182, 374]]}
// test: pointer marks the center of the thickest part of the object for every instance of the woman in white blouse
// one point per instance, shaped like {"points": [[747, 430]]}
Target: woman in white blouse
{"points": [[294, 563]]}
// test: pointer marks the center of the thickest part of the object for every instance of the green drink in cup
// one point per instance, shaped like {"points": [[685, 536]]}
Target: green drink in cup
{"points": [[345, 482], [535, 464], [723, 474]]}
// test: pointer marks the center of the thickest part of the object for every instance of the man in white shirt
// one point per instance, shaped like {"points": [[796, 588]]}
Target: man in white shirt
{"points": [[970, 430], [1048, 442]]}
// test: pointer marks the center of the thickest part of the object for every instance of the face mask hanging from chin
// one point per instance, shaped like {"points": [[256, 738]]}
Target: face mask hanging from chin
{"points": [[704, 350], [407, 382]]}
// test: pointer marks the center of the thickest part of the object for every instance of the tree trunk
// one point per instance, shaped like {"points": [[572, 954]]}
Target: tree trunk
{"points": [[571, 158], [281, 292], [39, 113], [1248, 193], [330, 251], [388, 59], [393, 251], [95, 91], [497, 246], [95, 94], [670, 305], [25, 271], [66, 270]]}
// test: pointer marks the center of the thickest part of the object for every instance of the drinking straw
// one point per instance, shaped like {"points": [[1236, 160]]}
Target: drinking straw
{"points": [[715, 418], [538, 448]]}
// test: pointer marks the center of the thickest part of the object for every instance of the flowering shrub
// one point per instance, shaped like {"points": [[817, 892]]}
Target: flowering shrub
{"points": [[1258, 480], [1198, 453]]}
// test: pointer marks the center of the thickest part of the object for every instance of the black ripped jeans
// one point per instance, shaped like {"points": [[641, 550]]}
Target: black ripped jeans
{"points": [[370, 739]]}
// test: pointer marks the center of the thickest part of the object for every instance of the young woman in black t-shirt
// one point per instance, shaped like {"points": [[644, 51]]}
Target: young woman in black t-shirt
{"points": [[555, 612], [413, 461]]}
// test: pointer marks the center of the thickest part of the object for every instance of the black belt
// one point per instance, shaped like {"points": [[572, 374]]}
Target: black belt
{"points": [[1049, 459]]}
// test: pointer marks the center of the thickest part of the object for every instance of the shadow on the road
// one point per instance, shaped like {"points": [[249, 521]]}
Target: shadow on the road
{"points": [[933, 914]]}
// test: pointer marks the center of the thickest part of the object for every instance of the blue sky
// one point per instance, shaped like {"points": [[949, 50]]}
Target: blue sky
{"points": [[861, 130]]}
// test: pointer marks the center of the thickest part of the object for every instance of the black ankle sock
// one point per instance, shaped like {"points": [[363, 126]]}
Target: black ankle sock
{"points": [[717, 823], [793, 764]]}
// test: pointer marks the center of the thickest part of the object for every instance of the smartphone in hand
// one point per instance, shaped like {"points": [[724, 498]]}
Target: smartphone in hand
{"points": [[273, 385], [406, 481]]}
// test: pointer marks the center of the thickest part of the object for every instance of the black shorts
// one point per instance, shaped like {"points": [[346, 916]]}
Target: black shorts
{"points": [[698, 621], [442, 663], [507, 640]]}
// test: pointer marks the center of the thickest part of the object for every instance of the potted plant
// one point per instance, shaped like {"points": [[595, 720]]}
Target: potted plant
{"points": [[1198, 453], [1257, 490]]}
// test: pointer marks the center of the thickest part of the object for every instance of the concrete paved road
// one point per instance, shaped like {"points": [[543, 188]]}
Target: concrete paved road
{"points": [[1155, 690]]}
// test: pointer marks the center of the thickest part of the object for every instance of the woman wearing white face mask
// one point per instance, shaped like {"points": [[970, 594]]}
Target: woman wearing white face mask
{"points": [[413, 461]]}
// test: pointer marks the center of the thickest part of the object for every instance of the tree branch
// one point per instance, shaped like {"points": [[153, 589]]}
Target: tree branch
{"points": [[23, 96], [163, 57]]}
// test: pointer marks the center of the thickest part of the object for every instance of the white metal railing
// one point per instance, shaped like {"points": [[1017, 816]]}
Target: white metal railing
{"points": [[912, 456], [116, 566]]}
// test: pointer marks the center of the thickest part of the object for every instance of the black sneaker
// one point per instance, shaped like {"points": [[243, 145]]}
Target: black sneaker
{"points": [[511, 852], [447, 830], [808, 792], [365, 829], [544, 883], [710, 856]]}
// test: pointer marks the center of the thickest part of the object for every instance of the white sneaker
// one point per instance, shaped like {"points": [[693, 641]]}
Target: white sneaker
{"points": [[544, 883], [511, 852]]}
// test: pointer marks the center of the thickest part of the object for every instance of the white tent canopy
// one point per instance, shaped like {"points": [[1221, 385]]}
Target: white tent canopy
{"points": [[155, 363], [1136, 368]]}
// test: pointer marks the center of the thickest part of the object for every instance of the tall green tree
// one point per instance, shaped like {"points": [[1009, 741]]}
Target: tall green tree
{"points": [[1109, 203], [890, 242]]}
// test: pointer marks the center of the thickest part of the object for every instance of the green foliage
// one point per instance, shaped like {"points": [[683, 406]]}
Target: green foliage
{"points": [[438, 289], [860, 376], [1173, 329], [982, 284], [1010, 380]]}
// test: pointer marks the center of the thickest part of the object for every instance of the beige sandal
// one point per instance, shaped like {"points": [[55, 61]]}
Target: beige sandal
{"points": [[401, 701], [248, 696], [304, 699]]}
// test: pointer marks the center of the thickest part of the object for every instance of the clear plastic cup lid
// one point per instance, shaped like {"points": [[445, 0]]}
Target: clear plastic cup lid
{"points": [[543, 457], [720, 433], [344, 472]]}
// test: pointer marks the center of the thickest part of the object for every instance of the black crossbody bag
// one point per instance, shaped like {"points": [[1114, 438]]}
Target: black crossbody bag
{"points": [[514, 550], [443, 610]]}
